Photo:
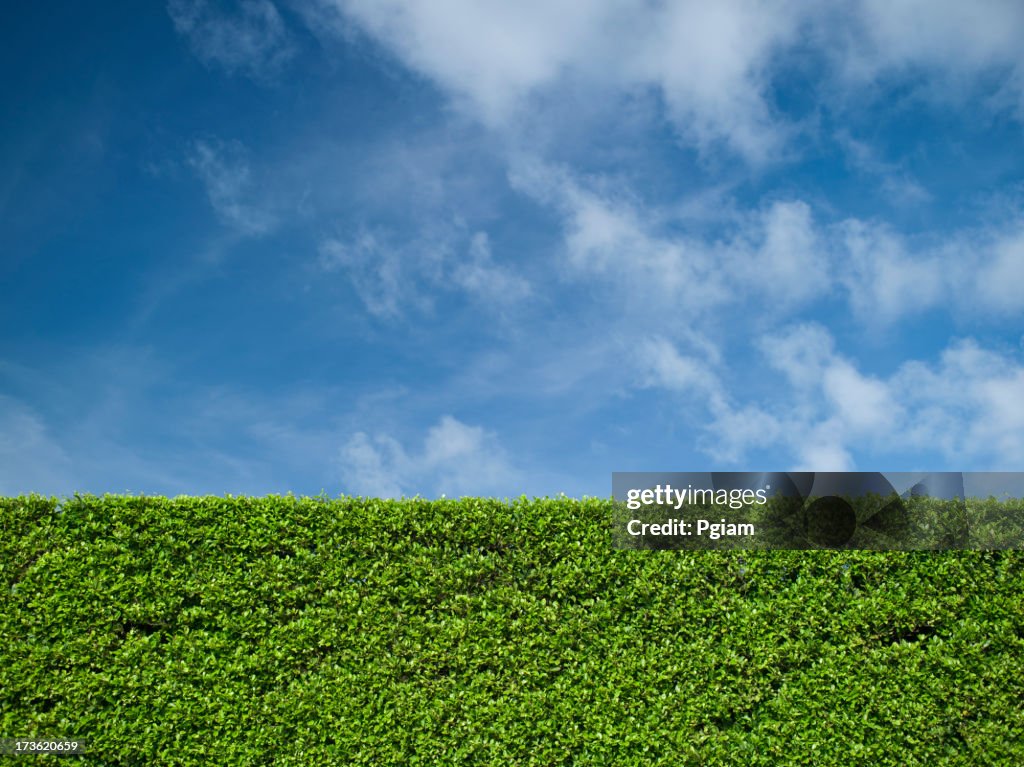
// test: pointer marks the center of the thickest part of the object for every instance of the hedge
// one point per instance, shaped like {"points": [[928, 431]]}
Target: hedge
{"points": [[308, 631]]}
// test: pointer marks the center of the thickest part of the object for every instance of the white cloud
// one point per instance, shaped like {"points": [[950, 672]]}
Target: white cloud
{"points": [[252, 39], [771, 260], [608, 238], [791, 266], [710, 61], [887, 277], [374, 467], [832, 404], [884, 280], [376, 271], [224, 170], [999, 279], [971, 404], [713, 65], [492, 53], [801, 353], [102, 434], [968, 407], [734, 431], [456, 459], [960, 39], [466, 459], [821, 447], [394, 279], [661, 365], [489, 282], [707, 61], [863, 404], [895, 182], [32, 460]]}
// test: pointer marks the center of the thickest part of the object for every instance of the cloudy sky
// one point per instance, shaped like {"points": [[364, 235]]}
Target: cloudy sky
{"points": [[384, 247]]}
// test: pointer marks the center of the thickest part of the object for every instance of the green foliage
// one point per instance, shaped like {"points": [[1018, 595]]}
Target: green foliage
{"points": [[288, 631]]}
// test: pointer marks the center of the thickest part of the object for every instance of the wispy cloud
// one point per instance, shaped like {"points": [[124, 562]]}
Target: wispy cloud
{"points": [[888, 275], [965, 408], [31, 456], [712, 65], [377, 272], [396, 276], [882, 279], [779, 259], [961, 42], [894, 181], [708, 62], [659, 364], [487, 281], [786, 257], [223, 167], [148, 427], [251, 39], [999, 277], [775, 257], [609, 238], [455, 459]]}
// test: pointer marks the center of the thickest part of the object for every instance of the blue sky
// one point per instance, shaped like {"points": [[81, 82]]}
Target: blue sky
{"points": [[380, 247]]}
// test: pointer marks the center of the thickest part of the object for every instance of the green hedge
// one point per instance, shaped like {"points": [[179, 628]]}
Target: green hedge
{"points": [[288, 631]]}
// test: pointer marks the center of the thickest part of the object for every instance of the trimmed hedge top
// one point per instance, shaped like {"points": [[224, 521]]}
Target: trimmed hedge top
{"points": [[304, 631]]}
